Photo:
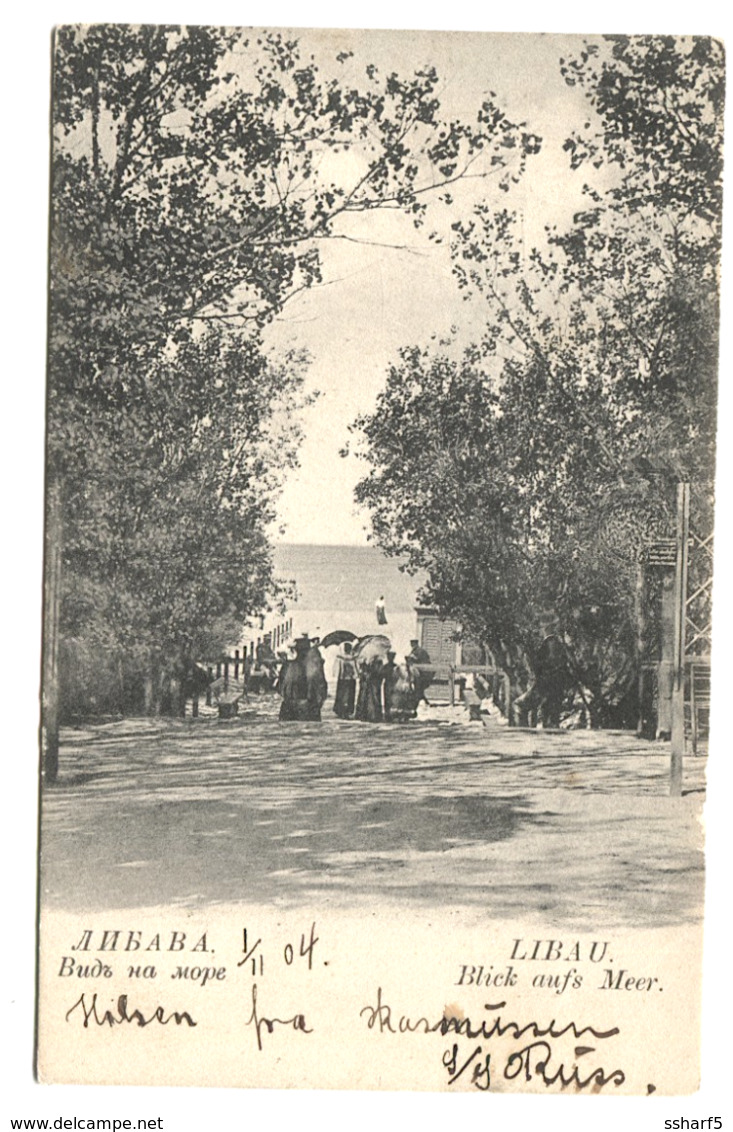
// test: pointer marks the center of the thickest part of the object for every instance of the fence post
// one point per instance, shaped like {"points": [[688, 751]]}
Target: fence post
{"points": [[210, 674], [236, 664]]}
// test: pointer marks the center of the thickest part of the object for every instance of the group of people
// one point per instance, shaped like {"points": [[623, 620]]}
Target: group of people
{"points": [[378, 689], [372, 687]]}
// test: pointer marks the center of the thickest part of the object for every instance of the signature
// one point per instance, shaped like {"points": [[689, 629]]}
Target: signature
{"points": [[91, 1013], [531, 1062], [542, 1052], [297, 1022]]}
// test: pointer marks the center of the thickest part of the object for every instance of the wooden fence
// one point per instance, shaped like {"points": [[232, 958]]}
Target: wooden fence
{"points": [[228, 675]]}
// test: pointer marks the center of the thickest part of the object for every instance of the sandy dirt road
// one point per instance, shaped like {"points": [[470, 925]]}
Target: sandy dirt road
{"points": [[576, 828]]}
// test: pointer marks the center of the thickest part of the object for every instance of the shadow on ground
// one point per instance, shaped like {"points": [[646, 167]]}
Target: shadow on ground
{"points": [[436, 812]]}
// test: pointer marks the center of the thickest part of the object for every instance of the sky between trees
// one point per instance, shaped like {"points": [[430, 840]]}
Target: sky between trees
{"points": [[375, 299]]}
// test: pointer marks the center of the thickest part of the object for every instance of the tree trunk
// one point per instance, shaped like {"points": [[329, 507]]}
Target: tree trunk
{"points": [[153, 687], [148, 693]]}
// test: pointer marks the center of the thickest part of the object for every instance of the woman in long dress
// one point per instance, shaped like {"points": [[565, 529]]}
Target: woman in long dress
{"points": [[345, 684], [369, 703]]}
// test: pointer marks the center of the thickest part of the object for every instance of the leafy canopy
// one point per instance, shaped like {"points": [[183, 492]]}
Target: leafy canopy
{"points": [[196, 172], [508, 472]]}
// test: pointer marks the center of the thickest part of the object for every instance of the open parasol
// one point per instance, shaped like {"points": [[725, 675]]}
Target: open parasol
{"points": [[337, 638], [372, 646]]}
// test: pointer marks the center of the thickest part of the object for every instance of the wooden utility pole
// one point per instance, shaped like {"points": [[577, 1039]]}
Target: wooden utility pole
{"points": [[50, 676], [680, 616], [639, 599]]}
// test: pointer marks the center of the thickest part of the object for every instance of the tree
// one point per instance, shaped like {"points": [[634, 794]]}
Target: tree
{"points": [[195, 173], [599, 353]]}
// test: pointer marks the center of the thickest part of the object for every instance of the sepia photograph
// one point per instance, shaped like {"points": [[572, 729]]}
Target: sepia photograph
{"points": [[379, 513]]}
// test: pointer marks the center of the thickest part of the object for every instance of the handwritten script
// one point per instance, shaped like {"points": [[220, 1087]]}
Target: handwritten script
{"points": [[519, 1051], [92, 1013], [267, 1025]]}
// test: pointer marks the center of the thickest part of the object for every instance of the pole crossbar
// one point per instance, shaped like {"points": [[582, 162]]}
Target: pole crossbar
{"points": [[707, 584], [703, 543], [703, 634]]}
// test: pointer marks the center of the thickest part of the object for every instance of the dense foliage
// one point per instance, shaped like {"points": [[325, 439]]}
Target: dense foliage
{"points": [[525, 473], [195, 172]]}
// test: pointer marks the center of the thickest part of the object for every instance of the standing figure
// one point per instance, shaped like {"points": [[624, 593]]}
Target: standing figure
{"points": [[552, 678], [389, 673], [345, 684], [317, 683], [381, 611], [303, 684], [422, 676], [263, 674], [369, 699], [399, 694], [293, 683]]}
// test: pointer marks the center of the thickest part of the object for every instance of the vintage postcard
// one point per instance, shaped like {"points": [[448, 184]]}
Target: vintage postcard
{"points": [[382, 395]]}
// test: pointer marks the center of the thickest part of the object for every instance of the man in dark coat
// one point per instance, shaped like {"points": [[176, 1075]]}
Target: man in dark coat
{"points": [[422, 677], [293, 684], [552, 679]]}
